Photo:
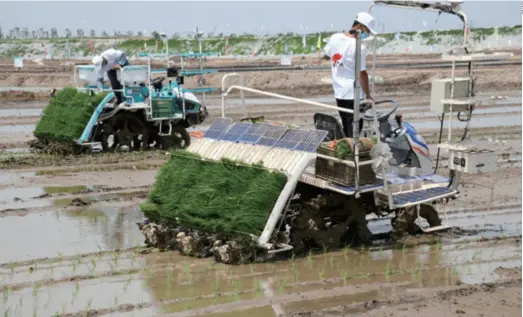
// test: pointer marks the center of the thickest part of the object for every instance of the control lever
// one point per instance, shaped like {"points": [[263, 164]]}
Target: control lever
{"points": [[399, 120]]}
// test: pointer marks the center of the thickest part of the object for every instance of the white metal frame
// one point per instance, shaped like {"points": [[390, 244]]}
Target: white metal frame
{"points": [[449, 7]]}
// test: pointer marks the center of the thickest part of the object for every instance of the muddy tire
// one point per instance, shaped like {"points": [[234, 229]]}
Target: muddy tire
{"points": [[179, 138], [329, 221], [404, 224]]}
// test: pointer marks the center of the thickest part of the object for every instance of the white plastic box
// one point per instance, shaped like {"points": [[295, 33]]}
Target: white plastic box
{"points": [[441, 89], [473, 161], [87, 74], [133, 75]]}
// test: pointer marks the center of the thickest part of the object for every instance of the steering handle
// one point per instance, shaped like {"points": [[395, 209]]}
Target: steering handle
{"points": [[394, 108]]}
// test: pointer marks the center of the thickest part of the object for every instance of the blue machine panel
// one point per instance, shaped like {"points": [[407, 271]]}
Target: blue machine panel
{"points": [[312, 141], [421, 195], [217, 128], [352, 189], [272, 135], [236, 131], [254, 133], [291, 139]]}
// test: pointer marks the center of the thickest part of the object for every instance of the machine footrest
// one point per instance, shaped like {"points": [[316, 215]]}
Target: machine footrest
{"points": [[436, 228], [417, 197]]}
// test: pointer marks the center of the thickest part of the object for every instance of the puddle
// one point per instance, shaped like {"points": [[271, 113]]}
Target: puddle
{"points": [[9, 177], [15, 150], [24, 193], [175, 283], [49, 234], [24, 112], [77, 296], [29, 128], [320, 277], [36, 89], [63, 202], [491, 224]]}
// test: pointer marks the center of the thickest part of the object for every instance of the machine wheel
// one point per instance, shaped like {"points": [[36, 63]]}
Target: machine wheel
{"points": [[126, 129], [404, 222], [179, 138], [329, 221]]}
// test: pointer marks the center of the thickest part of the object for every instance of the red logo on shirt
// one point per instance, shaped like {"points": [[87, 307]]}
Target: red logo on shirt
{"points": [[336, 58]]}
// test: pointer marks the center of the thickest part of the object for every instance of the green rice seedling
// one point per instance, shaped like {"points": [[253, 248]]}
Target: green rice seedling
{"points": [[186, 306], [387, 271], [216, 286], [210, 266], [381, 251], [187, 269], [476, 255], [6, 312], [116, 257], [93, 262], [296, 275], [251, 268], [332, 261], [115, 301], [127, 283], [74, 267], [236, 284], [170, 277], [309, 259], [344, 275], [258, 286], [6, 294], [61, 256], [346, 252], [88, 307], [321, 274], [76, 289], [404, 249], [12, 267], [282, 285]]}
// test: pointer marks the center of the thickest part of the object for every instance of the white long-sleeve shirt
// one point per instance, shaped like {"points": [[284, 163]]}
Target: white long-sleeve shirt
{"points": [[113, 57]]}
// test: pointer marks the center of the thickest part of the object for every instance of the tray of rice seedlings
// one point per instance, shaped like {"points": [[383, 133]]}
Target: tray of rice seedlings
{"points": [[205, 208], [64, 120]]}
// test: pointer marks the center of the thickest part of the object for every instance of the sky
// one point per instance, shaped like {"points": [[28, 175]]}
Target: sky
{"points": [[257, 17]]}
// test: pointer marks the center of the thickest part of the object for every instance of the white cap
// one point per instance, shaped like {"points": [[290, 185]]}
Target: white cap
{"points": [[367, 20], [97, 61]]}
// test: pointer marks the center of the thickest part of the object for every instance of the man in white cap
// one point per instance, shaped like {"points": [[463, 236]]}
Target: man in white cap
{"points": [[109, 61], [341, 50]]}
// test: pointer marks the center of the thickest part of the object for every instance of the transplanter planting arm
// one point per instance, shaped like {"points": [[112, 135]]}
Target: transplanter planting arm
{"points": [[100, 79], [364, 77]]}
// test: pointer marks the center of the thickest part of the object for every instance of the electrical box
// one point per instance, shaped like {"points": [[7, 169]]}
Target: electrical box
{"points": [[472, 161], [441, 89]]}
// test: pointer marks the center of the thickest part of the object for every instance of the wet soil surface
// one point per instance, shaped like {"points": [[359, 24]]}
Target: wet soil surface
{"points": [[71, 246], [91, 259]]}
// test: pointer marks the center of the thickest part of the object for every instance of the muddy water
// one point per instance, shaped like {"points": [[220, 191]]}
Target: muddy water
{"points": [[334, 278], [78, 296], [84, 230], [29, 128], [29, 112], [10, 194], [10, 177], [479, 224], [169, 283]]}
